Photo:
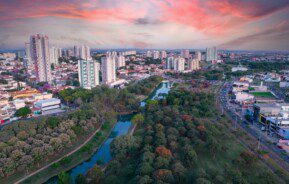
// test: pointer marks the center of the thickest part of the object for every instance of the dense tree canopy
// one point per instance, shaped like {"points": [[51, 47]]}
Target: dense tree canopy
{"points": [[178, 143]]}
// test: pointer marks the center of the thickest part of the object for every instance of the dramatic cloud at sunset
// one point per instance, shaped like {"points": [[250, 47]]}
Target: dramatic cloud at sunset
{"points": [[229, 24]]}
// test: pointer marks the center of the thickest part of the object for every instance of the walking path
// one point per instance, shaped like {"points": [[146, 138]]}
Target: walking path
{"points": [[68, 154]]}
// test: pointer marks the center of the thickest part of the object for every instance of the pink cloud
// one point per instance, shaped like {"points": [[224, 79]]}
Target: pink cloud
{"points": [[213, 17]]}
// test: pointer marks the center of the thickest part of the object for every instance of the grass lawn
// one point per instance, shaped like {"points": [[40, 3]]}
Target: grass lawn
{"points": [[263, 94]]}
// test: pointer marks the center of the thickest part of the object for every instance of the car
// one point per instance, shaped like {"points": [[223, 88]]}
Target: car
{"points": [[263, 128]]}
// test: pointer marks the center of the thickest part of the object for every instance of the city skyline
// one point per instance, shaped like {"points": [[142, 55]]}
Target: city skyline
{"points": [[164, 24]]}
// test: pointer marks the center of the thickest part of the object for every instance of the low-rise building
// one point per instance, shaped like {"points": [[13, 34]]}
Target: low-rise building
{"points": [[241, 97], [48, 104], [19, 104], [240, 86]]}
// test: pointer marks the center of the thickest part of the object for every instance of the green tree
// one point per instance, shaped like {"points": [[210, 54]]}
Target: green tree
{"points": [[64, 178], [52, 122], [80, 179], [95, 175], [138, 119], [23, 112]]}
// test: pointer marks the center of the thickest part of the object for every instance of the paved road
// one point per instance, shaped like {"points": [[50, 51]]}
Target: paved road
{"points": [[68, 154], [273, 151]]}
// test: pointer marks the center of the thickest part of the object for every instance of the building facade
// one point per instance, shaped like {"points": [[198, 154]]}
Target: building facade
{"points": [[84, 53], [41, 57], [120, 61], [185, 54], [28, 54], [179, 64], [54, 55], [170, 63], [198, 55], [194, 64], [88, 73], [108, 68], [211, 54]]}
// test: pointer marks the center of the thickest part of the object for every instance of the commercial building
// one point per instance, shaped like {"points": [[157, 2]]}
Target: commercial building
{"points": [[240, 86], [239, 68], [88, 73], [211, 54], [48, 104], [262, 110], [241, 97], [41, 57], [108, 68]]}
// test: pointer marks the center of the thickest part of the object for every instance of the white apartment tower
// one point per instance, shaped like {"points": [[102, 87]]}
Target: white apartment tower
{"points": [[194, 64], [54, 55], [88, 73], [211, 54], [108, 68], [149, 53], [41, 58], [120, 61], [84, 53], [198, 55], [185, 54], [170, 63], [156, 54], [179, 64], [163, 54], [28, 54]]}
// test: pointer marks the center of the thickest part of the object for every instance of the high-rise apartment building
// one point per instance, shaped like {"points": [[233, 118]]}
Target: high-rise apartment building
{"points": [[41, 58], [211, 54], [194, 64], [163, 54], [88, 73], [84, 53], [76, 51], [108, 68], [120, 61], [170, 63], [185, 54], [149, 53], [59, 52], [54, 55], [198, 55], [28, 55], [69, 53], [179, 64], [156, 54]]}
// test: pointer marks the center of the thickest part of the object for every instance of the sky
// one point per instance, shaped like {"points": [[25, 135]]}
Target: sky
{"points": [[148, 24]]}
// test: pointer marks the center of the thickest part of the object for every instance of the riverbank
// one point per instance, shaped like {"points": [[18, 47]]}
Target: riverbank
{"points": [[65, 163], [69, 162]]}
